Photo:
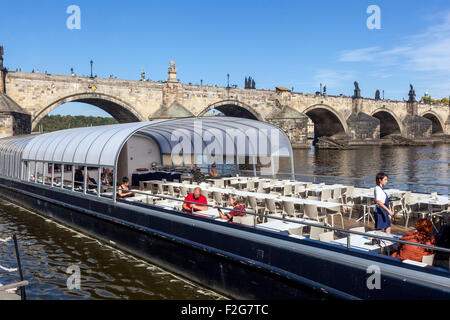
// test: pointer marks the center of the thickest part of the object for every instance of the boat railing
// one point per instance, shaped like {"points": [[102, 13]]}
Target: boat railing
{"points": [[303, 222], [364, 182], [22, 283]]}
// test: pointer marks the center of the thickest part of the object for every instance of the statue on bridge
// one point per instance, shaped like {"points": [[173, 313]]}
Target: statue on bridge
{"points": [[172, 72], [357, 90], [1, 57], [249, 83], [377, 95], [412, 94]]}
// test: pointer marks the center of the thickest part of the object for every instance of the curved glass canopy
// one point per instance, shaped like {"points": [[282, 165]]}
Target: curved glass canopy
{"points": [[101, 146], [11, 154]]}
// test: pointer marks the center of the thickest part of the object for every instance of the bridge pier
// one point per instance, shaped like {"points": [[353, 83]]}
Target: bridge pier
{"points": [[447, 122], [362, 127], [13, 119], [293, 123], [416, 127]]}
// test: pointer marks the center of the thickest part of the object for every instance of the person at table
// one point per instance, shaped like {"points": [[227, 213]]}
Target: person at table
{"points": [[92, 184], [213, 173], [197, 197], [442, 259], [104, 180], [123, 191], [197, 175], [382, 211], [421, 235], [79, 178], [235, 203], [107, 176]]}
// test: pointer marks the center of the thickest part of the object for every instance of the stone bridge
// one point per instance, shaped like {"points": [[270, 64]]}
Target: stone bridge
{"points": [[25, 98]]}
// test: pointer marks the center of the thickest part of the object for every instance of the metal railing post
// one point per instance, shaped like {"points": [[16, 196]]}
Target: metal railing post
{"points": [[19, 266]]}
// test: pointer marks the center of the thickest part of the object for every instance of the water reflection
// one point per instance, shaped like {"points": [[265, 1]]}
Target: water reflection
{"points": [[407, 167], [48, 249]]}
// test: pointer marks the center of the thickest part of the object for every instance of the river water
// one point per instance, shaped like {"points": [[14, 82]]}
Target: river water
{"points": [[420, 169], [48, 249]]}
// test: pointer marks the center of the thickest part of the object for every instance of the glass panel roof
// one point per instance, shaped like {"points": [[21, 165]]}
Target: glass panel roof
{"points": [[100, 146]]}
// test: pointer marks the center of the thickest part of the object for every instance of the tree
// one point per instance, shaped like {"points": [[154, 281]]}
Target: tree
{"points": [[58, 122]]}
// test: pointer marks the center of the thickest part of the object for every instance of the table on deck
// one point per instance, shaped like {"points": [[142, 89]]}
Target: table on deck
{"points": [[138, 177], [319, 204], [389, 192], [170, 205], [210, 213], [288, 227], [440, 201], [361, 242]]}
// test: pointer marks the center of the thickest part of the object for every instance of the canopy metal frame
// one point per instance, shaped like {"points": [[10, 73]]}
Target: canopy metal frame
{"points": [[100, 147]]}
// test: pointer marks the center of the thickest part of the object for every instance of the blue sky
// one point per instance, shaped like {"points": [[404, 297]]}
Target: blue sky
{"points": [[296, 44]]}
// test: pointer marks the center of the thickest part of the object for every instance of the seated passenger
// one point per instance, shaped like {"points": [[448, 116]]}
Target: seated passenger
{"points": [[123, 192], [422, 235], [234, 202], [198, 176], [79, 178], [213, 173], [92, 184], [106, 176], [104, 180], [195, 197], [442, 259]]}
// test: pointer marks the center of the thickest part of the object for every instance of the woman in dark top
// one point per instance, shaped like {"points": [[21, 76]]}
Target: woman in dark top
{"points": [[79, 178], [123, 192], [382, 211]]}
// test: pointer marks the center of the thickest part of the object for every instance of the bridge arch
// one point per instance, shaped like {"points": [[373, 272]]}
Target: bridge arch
{"points": [[390, 124], [117, 108], [327, 121], [438, 125], [233, 108]]}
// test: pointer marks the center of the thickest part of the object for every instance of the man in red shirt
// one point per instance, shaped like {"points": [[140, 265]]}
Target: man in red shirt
{"points": [[196, 196]]}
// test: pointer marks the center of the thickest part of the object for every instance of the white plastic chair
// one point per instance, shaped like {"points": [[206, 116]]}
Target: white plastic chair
{"points": [[312, 213], [428, 259], [247, 220], [359, 229], [331, 213], [315, 232], [217, 197], [300, 191], [287, 190], [325, 195], [326, 236], [288, 208]]}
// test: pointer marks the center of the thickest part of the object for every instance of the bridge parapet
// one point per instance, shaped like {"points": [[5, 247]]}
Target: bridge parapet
{"points": [[353, 118]]}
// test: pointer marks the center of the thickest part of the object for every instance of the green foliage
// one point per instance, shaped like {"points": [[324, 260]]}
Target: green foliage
{"points": [[429, 100], [58, 122]]}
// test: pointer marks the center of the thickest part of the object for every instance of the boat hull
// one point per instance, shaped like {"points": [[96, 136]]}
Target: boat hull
{"points": [[236, 261]]}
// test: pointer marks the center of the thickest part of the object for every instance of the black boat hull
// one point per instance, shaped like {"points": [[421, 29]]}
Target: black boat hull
{"points": [[236, 261]]}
